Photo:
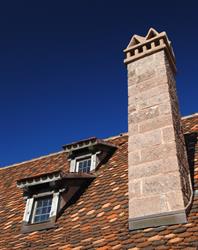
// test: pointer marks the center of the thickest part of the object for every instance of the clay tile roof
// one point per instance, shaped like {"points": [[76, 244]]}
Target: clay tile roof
{"points": [[99, 218]]}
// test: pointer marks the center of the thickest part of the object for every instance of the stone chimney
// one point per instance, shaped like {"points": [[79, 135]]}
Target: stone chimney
{"points": [[159, 181]]}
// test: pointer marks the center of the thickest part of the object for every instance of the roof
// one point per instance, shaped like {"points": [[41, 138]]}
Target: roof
{"points": [[99, 218]]}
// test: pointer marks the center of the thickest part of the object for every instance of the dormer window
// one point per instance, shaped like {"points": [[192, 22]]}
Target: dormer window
{"points": [[47, 195], [87, 155], [42, 195], [83, 162]]}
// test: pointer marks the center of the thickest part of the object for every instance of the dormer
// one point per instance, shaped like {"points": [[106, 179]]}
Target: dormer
{"points": [[48, 195], [87, 155]]}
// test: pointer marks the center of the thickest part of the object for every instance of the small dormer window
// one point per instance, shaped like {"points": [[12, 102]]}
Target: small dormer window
{"points": [[83, 163], [87, 155]]}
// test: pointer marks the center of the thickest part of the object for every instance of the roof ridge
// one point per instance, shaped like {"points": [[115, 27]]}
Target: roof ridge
{"points": [[115, 136], [31, 160], [189, 116]]}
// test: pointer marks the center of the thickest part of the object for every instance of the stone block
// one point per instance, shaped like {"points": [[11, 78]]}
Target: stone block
{"points": [[158, 152], [143, 115], [133, 91], [175, 200], [132, 108], [134, 158], [168, 134], [139, 207], [142, 69], [152, 92], [160, 57], [150, 83], [148, 169], [152, 101], [165, 109], [135, 188], [131, 100], [132, 77], [133, 129], [147, 139], [157, 122], [147, 98], [160, 184], [147, 74]]}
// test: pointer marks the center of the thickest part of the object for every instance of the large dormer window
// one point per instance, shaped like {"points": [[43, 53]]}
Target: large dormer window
{"points": [[42, 195], [47, 195]]}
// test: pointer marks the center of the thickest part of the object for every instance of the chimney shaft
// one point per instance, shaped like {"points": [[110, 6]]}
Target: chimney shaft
{"points": [[159, 183]]}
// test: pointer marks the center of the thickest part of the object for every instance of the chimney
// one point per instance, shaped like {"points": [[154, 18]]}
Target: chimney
{"points": [[160, 188]]}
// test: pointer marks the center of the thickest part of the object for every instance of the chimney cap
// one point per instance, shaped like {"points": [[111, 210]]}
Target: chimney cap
{"points": [[141, 46]]}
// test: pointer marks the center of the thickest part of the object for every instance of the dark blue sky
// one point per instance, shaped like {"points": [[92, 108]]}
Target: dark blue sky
{"points": [[62, 76]]}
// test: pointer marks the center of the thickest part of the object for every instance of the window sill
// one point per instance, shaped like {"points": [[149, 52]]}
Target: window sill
{"points": [[28, 228]]}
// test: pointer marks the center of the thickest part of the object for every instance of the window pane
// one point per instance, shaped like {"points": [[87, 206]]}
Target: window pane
{"points": [[39, 210], [89, 163], [36, 219], [45, 203], [44, 210], [84, 164], [39, 203]]}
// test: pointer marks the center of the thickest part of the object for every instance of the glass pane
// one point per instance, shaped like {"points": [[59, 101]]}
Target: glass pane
{"points": [[38, 210], [85, 164], [43, 218], [36, 219], [45, 203], [89, 163], [39, 203], [44, 210]]}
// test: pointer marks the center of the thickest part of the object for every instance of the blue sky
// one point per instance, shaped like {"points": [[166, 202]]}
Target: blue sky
{"points": [[62, 76]]}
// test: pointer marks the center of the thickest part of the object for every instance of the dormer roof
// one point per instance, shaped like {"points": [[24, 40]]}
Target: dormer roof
{"points": [[90, 143]]}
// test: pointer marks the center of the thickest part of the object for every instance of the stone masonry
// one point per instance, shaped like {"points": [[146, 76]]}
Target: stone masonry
{"points": [[159, 184]]}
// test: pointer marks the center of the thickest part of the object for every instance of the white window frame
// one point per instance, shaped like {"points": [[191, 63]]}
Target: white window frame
{"points": [[94, 161], [29, 208]]}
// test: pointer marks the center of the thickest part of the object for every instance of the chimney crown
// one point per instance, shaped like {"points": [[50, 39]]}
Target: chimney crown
{"points": [[141, 46]]}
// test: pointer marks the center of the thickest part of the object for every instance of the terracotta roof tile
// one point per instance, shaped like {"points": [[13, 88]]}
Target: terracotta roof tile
{"points": [[99, 218]]}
